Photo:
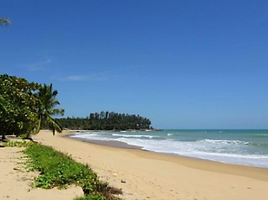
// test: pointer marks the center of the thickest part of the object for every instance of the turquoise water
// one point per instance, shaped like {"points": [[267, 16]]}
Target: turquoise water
{"points": [[244, 147]]}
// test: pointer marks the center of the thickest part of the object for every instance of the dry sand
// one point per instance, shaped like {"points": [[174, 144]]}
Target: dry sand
{"points": [[15, 181], [141, 174]]}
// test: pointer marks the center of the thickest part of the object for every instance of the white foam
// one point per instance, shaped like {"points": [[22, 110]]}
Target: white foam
{"points": [[134, 136], [224, 141], [229, 151], [262, 135], [194, 149], [92, 135]]}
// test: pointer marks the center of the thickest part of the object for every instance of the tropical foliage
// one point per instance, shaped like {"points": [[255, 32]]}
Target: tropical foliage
{"points": [[24, 104], [25, 107], [18, 105], [107, 121], [59, 170], [47, 108]]}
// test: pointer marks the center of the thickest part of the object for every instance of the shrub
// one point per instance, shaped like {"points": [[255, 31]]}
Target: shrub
{"points": [[92, 197], [18, 143], [59, 170]]}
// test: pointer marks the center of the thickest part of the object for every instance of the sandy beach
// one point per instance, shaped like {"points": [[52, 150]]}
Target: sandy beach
{"points": [[15, 181], [140, 174]]}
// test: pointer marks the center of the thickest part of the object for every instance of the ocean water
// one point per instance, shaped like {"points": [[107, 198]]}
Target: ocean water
{"points": [[244, 147]]}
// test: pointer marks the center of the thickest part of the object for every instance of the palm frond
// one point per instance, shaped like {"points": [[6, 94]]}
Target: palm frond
{"points": [[53, 124], [58, 112], [47, 109]]}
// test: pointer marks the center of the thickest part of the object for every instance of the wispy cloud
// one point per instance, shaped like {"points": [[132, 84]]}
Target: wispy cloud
{"points": [[37, 66], [97, 76], [87, 77]]}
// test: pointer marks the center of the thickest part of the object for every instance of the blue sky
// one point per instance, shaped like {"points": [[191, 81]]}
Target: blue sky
{"points": [[181, 63]]}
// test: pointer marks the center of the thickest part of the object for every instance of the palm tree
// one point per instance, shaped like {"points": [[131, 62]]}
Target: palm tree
{"points": [[47, 108], [4, 21]]}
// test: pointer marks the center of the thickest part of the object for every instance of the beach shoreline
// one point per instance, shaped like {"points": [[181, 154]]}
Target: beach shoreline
{"points": [[204, 164], [109, 143], [149, 175], [119, 144]]}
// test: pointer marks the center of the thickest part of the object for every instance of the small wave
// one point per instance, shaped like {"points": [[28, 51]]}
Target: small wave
{"points": [[261, 135], [230, 155], [84, 135], [223, 141], [169, 134], [134, 136]]}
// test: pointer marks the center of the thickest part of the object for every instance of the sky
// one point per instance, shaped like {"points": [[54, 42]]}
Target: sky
{"points": [[185, 64]]}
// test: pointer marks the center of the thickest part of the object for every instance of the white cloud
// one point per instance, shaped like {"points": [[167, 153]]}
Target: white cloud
{"points": [[37, 66], [97, 76], [87, 77]]}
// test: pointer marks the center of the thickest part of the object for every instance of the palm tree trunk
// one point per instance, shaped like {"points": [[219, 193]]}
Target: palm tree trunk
{"points": [[3, 139], [39, 124]]}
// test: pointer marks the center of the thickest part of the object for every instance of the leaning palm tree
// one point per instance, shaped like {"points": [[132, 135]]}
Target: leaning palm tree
{"points": [[47, 109], [4, 21]]}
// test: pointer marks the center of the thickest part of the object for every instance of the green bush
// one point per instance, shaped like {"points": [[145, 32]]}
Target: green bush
{"points": [[59, 170]]}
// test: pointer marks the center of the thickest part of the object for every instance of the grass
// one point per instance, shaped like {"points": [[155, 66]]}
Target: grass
{"points": [[18, 144], [91, 197], [60, 170]]}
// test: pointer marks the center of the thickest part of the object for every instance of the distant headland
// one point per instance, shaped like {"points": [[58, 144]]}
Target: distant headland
{"points": [[107, 121]]}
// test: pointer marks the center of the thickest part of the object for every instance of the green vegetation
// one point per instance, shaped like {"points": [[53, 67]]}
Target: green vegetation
{"points": [[18, 144], [47, 108], [24, 105], [18, 105], [92, 197], [59, 170], [107, 121]]}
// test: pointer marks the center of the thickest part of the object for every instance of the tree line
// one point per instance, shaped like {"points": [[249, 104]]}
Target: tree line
{"points": [[106, 121]]}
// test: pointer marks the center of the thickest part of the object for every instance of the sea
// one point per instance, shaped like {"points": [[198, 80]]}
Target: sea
{"points": [[243, 147]]}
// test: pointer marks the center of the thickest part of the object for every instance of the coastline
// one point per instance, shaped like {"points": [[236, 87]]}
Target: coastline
{"points": [[109, 143], [203, 164], [121, 144], [148, 175]]}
